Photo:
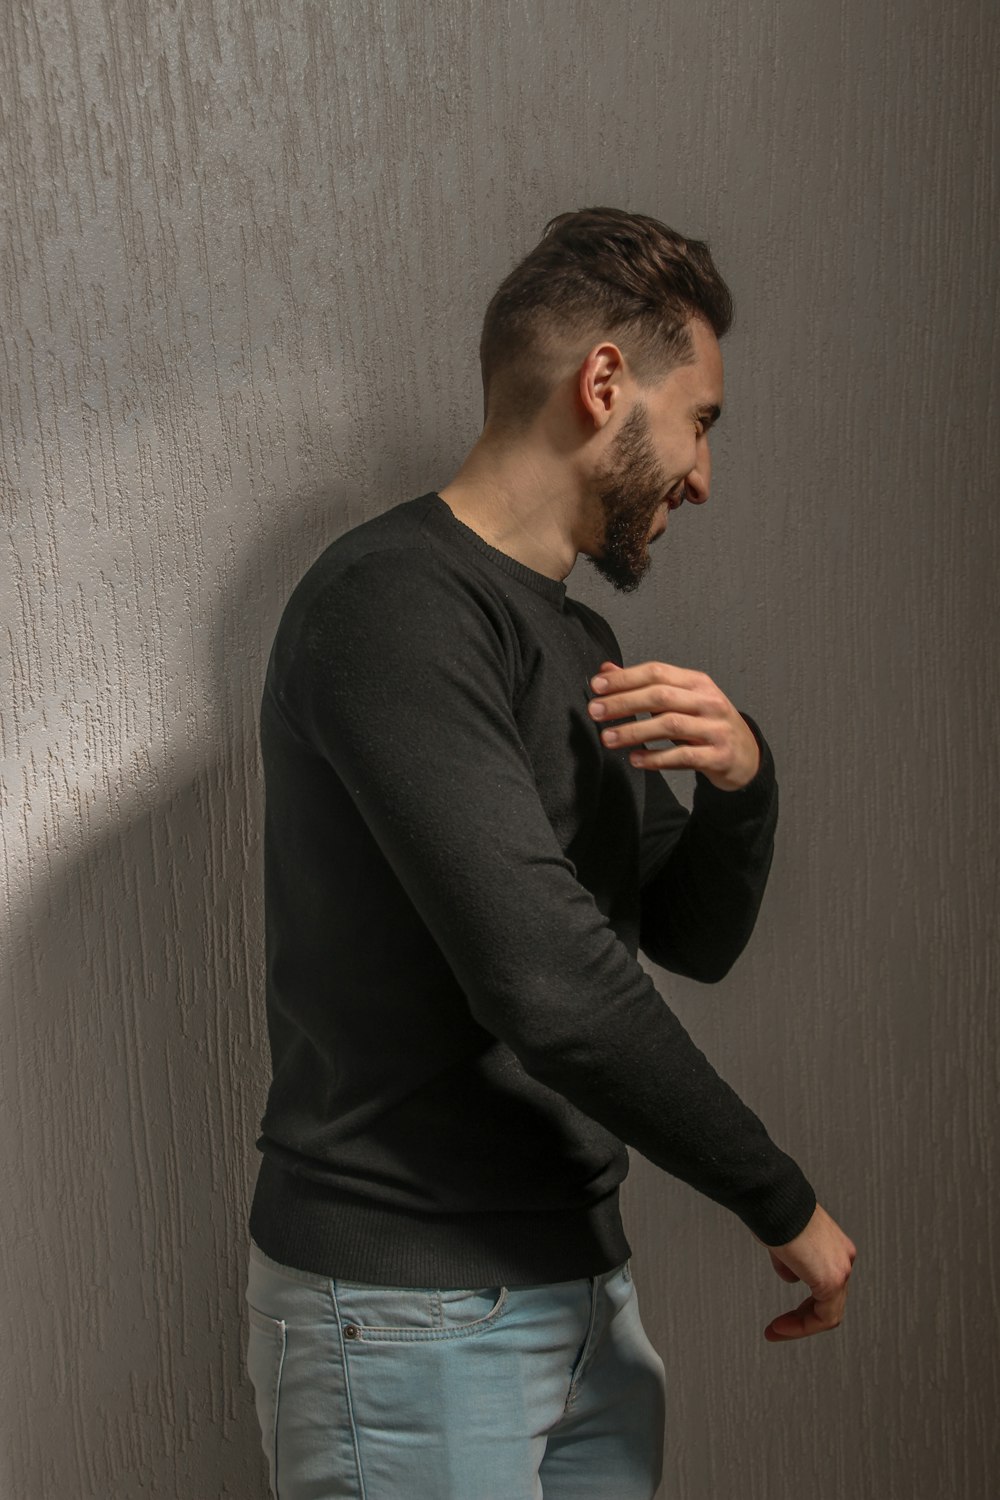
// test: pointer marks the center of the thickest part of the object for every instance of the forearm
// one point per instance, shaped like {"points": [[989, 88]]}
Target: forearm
{"points": [[699, 909]]}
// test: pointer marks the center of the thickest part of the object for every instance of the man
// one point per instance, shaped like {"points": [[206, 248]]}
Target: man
{"points": [[461, 864]]}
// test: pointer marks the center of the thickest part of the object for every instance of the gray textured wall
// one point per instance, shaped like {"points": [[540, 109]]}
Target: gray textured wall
{"points": [[245, 252]]}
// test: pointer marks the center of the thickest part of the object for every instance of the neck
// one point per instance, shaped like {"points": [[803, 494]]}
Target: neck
{"points": [[520, 501]]}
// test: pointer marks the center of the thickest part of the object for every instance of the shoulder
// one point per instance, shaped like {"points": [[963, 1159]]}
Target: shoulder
{"points": [[407, 610], [396, 580]]}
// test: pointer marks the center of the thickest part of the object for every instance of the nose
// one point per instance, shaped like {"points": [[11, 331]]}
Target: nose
{"points": [[693, 489], [696, 485]]}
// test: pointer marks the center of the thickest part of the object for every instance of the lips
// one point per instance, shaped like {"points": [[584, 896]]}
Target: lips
{"points": [[675, 500]]}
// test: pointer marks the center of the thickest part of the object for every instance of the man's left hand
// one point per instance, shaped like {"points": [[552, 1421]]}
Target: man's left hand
{"points": [[710, 734]]}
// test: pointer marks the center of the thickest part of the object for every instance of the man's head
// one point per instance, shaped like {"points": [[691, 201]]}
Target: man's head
{"points": [[602, 344]]}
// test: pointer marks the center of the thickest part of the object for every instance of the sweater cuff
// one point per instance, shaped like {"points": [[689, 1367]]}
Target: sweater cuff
{"points": [[747, 801], [784, 1213]]}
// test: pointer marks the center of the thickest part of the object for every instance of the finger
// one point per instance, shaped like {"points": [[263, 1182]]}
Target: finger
{"points": [[790, 1326], [650, 671], [687, 757], [811, 1316], [652, 699], [646, 736]]}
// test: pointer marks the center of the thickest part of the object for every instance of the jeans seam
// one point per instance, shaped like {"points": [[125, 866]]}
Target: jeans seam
{"points": [[282, 1349], [574, 1386], [347, 1392]]}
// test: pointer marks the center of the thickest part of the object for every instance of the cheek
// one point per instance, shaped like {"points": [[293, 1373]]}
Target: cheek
{"points": [[671, 467]]}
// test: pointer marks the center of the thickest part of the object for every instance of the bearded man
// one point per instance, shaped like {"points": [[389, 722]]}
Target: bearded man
{"points": [[467, 843]]}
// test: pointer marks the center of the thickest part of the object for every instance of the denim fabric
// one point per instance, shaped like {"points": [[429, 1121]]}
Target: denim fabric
{"points": [[436, 1393]]}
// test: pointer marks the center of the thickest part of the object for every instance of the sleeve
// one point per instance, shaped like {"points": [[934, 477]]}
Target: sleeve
{"points": [[403, 680], [703, 873]]}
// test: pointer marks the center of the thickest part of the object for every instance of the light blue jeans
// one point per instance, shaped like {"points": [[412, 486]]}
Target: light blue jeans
{"points": [[437, 1393]]}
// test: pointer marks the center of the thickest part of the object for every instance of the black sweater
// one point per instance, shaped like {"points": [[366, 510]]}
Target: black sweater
{"points": [[458, 875]]}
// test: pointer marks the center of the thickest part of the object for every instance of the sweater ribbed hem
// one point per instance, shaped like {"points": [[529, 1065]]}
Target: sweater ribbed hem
{"points": [[302, 1223]]}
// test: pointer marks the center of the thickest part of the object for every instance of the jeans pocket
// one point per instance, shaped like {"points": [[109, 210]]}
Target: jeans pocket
{"points": [[417, 1314], [265, 1357]]}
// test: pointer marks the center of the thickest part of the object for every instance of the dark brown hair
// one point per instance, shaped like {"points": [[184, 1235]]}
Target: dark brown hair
{"points": [[596, 272]]}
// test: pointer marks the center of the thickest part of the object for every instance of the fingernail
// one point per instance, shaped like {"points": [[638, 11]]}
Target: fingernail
{"points": [[599, 684]]}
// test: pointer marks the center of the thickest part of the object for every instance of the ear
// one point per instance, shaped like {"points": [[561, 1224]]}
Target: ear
{"points": [[600, 382]]}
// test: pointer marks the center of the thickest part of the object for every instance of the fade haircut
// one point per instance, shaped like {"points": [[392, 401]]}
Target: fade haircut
{"points": [[595, 273]]}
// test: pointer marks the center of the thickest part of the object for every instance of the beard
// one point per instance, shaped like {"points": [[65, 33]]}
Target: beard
{"points": [[630, 490]]}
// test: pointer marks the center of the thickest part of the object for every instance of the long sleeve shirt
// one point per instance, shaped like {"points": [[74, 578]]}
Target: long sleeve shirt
{"points": [[458, 878]]}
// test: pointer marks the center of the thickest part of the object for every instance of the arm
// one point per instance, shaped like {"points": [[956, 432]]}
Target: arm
{"points": [[703, 873], [402, 681]]}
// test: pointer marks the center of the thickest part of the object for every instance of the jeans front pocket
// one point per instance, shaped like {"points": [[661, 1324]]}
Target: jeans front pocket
{"points": [[402, 1314], [265, 1357]]}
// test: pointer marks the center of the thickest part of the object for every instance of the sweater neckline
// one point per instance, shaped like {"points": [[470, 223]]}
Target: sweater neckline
{"points": [[553, 589]]}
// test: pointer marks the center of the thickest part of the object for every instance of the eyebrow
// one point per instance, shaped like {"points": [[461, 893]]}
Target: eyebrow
{"points": [[713, 413]]}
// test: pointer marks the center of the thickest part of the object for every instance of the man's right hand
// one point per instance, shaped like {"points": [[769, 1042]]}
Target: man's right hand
{"points": [[821, 1256]]}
